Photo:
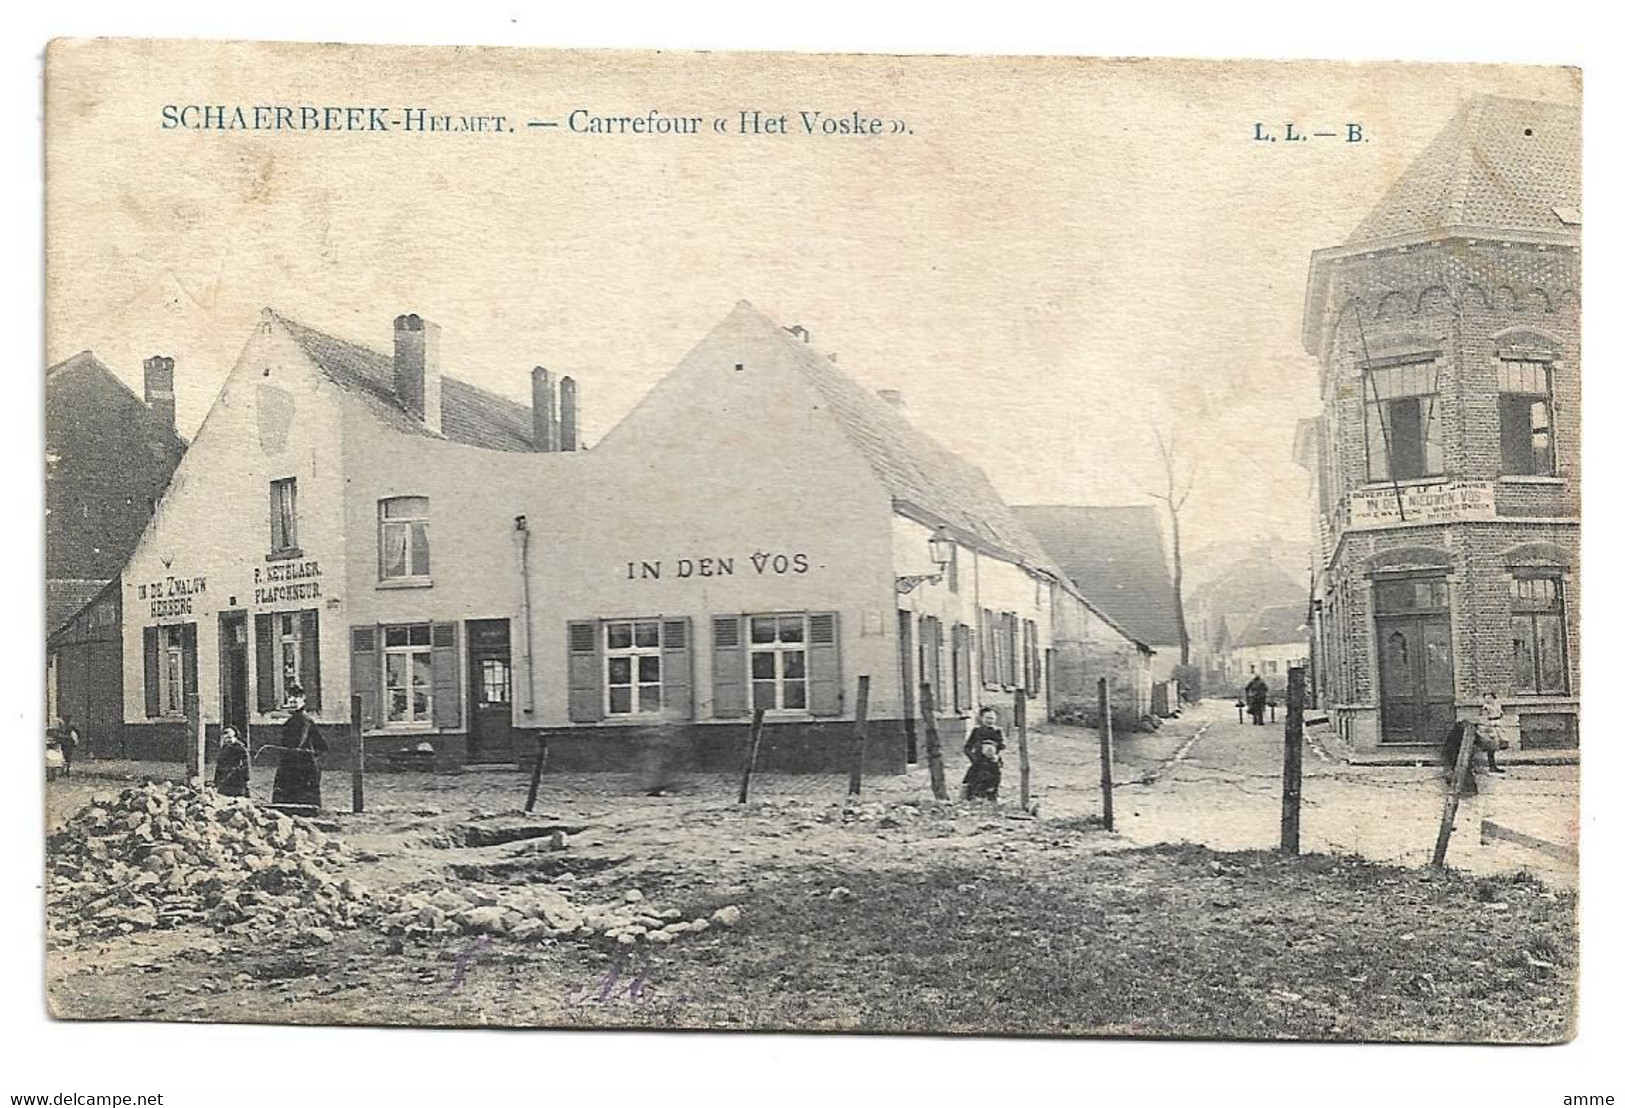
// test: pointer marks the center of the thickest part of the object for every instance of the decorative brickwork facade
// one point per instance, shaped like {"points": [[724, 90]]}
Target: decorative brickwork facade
{"points": [[1448, 461]]}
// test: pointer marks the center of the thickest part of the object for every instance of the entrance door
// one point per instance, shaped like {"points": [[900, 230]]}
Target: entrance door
{"points": [[234, 672], [1416, 669], [490, 691]]}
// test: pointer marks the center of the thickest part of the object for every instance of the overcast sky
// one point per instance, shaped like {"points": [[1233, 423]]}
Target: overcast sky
{"points": [[1061, 257]]}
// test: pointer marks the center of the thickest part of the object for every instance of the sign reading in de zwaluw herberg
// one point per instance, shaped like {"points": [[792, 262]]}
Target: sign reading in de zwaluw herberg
{"points": [[1441, 503]]}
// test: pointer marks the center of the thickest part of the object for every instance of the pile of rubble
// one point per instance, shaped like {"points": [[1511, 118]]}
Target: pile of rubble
{"points": [[166, 855], [535, 912]]}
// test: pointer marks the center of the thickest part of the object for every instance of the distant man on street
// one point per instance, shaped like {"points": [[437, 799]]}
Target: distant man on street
{"points": [[1258, 695]]}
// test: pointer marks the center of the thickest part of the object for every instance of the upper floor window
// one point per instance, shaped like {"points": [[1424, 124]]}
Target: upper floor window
{"points": [[1404, 425], [1526, 418], [403, 537], [284, 516]]}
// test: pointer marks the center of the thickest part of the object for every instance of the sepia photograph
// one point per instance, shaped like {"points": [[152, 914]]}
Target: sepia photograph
{"points": [[963, 545]]}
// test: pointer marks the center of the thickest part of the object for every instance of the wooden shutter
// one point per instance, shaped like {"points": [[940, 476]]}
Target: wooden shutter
{"points": [[149, 668], [310, 658], [1012, 648], [984, 647], [365, 674], [586, 670], [963, 700], [1516, 453], [264, 662], [189, 662], [823, 664], [676, 669], [728, 688], [447, 669]]}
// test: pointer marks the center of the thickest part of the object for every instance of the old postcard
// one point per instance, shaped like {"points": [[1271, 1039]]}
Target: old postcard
{"points": [[973, 545]]}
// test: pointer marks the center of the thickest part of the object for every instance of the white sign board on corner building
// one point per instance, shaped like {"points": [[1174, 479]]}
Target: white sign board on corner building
{"points": [[1444, 502]]}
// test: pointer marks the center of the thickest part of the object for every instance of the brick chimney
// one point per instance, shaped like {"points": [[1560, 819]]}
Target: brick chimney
{"points": [[544, 420], [569, 415], [158, 382], [417, 368], [892, 397]]}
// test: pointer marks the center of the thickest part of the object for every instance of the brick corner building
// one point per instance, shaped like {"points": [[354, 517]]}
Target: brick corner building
{"points": [[1447, 454]]}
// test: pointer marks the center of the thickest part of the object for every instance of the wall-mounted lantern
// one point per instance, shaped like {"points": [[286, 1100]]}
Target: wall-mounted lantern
{"points": [[942, 553]]}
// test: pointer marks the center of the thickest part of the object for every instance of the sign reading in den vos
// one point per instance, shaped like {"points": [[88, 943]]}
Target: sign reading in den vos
{"points": [[762, 563], [1440, 503]]}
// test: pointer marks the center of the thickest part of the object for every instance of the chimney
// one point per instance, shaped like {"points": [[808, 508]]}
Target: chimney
{"points": [[892, 397], [800, 332], [569, 415], [544, 422], [417, 368], [158, 381]]}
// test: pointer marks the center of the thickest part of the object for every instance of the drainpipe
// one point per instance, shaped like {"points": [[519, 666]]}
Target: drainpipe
{"points": [[520, 526]]}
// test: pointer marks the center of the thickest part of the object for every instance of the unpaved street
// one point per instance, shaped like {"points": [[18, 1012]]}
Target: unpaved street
{"points": [[894, 913]]}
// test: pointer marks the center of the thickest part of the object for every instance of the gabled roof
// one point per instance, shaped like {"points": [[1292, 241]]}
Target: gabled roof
{"points": [[1280, 625], [1114, 556], [100, 394], [468, 414], [1510, 165], [918, 472]]}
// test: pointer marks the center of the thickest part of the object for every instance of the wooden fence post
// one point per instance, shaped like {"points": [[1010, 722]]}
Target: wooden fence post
{"points": [[195, 758], [751, 747], [860, 738], [1024, 762], [536, 771], [1292, 769], [1458, 781], [358, 766], [1106, 753], [933, 743]]}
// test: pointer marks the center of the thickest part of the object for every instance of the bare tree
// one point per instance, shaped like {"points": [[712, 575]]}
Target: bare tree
{"points": [[1174, 497]]}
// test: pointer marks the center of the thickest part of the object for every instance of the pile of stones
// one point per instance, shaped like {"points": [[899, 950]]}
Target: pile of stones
{"points": [[534, 913], [163, 855]]}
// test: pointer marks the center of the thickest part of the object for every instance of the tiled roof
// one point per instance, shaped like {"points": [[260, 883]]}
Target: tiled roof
{"points": [[1499, 163], [468, 414], [912, 466], [64, 597], [1285, 623], [1114, 556]]}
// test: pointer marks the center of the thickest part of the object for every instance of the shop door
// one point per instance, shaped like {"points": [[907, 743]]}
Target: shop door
{"points": [[234, 671], [1418, 678], [490, 691]]}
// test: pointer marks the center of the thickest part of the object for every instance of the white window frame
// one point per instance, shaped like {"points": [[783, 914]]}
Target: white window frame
{"points": [[171, 670], [287, 640], [285, 512], [387, 523], [1382, 386], [634, 654], [779, 649], [1512, 379], [408, 650]]}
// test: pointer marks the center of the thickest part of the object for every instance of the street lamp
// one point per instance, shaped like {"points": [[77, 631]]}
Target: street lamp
{"points": [[942, 554]]}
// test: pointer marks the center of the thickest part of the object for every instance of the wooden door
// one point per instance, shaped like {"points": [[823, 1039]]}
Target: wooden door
{"points": [[490, 692]]}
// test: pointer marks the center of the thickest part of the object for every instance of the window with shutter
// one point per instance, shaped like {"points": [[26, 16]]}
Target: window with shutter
{"points": [[823, 664], [585, 692], [265, 671], [365, 674], [676, 669], [447, 668], [729, 692], [149, 670]]}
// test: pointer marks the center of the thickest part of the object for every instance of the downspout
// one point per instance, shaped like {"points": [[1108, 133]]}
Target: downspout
{"points": [[519, 525]]}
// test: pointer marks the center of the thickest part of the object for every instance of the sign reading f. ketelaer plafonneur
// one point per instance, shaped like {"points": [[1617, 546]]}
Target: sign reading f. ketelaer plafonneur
{"points": [[1445, 502]]}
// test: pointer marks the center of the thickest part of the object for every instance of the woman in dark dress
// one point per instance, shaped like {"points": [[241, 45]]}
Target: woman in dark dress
{"points": [[984, 749], [231, 767], [1258, 695], [297, 788]]}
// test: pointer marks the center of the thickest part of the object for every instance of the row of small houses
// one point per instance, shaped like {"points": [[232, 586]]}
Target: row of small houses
{"points": [[756, 534]]}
